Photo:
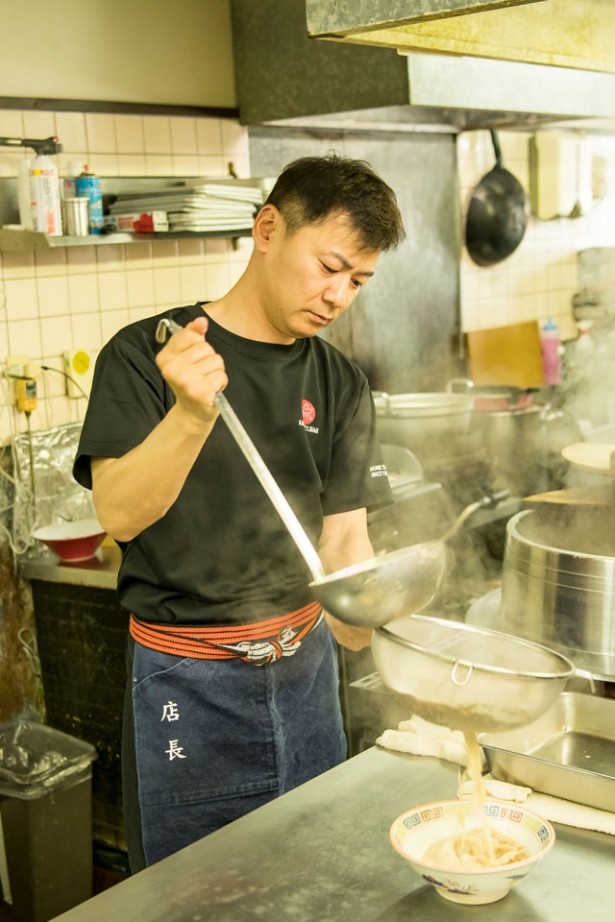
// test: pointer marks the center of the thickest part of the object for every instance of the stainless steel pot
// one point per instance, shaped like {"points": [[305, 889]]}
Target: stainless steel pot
{"points": [[558, 578], [412, 420], [467, 677], [525, 445], [492, 397]]}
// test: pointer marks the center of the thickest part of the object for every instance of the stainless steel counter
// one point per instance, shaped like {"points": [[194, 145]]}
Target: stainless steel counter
{"points": [[99, 571], [322, 853]]}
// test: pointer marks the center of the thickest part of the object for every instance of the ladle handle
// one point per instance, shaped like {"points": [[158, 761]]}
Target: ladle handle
{"points": [[269, 484], [167, 326]]}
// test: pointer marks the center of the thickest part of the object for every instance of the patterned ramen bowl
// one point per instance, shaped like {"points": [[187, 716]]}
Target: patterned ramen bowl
{"points": [[419, 832]]}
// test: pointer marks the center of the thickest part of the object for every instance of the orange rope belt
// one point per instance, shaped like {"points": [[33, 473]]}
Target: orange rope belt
{"points": [[258, 643]]}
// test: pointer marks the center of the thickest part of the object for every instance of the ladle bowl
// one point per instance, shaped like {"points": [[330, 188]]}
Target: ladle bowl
{"points": [[385, 588]]}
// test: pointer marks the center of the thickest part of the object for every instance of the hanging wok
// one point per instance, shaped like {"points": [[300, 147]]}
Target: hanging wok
{"points": [[497, 214]]}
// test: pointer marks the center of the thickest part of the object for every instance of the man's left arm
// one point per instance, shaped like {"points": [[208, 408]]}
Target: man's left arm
{"points": [[344, 541]]}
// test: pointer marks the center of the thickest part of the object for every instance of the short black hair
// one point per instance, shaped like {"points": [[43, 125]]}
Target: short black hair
{"points": [[311, 188]]}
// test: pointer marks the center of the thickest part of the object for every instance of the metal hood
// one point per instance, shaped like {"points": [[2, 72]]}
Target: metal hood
{"points": [[285, 77], [563, 33]]}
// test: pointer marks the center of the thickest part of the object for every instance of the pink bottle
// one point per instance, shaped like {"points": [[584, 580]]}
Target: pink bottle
{"points": [[551, 358]]}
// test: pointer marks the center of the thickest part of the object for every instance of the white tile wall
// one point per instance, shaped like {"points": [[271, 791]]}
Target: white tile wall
{"points": [[70, 298], [77, 297], [539, 279]]}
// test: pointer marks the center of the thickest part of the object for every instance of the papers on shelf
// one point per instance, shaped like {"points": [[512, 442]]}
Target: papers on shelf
{"points": [[201, 207]]}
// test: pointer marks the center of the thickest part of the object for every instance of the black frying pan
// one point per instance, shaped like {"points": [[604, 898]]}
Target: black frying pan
{"points": [[497, 214]]}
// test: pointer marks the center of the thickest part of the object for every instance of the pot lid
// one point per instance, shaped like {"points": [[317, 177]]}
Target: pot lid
{"points": [[422, 404], [597, 457]]}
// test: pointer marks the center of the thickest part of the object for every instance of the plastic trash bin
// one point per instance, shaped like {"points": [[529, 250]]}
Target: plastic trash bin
{"points": [[45, 820]]}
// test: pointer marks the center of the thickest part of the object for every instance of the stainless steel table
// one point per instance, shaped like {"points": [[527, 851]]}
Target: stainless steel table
{"points": [[322, 853]]}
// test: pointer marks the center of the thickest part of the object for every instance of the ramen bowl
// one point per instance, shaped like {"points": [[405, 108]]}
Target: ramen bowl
{"points": [[72, 541], [415, 832]]}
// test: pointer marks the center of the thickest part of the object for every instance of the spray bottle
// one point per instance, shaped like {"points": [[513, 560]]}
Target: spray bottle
{"points": [[584, 345], [551, 358], [38, 185], [87, 185], [23, 194], [45, 196]]}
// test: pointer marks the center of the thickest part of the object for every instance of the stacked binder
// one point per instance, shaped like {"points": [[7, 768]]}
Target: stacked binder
{"points": [[198, 207]]}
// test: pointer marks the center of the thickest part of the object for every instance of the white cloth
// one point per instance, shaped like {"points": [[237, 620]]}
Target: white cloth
{"points": [[551, 808], [421, 738]]}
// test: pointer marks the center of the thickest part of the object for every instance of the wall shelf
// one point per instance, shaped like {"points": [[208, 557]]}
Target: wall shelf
{"points": [[16, 241], [14, 238]]}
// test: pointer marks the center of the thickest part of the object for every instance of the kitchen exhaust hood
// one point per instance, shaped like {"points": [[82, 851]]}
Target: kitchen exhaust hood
{"points": [[285, 77], [563, 33]]}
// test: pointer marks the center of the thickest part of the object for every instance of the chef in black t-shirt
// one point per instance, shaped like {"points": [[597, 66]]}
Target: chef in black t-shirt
{"points": [[232, 693]]}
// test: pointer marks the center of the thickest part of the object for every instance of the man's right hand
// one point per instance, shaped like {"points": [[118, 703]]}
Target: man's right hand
{"points": [[193, 370]]}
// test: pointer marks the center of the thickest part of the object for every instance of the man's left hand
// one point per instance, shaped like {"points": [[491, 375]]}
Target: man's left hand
{"points": [[353, 638]]}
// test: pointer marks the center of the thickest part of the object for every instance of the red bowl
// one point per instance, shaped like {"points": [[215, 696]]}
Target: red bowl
{"points": [[72, 541]]}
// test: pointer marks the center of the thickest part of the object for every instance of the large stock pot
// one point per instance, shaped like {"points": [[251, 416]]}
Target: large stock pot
{"points": [[413, 420], [558, 581]]}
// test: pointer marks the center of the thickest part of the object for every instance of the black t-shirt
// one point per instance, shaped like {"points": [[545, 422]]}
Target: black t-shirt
{"points": [[221, 553]]}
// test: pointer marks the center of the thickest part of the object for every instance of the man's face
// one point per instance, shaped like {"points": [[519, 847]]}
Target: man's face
{"points": [[313, 275]]}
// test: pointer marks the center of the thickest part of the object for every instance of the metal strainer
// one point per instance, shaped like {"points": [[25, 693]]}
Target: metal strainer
{"points": [[466, 677]]}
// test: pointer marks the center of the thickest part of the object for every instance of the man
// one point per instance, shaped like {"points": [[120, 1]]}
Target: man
{"points": [[232, 695]]}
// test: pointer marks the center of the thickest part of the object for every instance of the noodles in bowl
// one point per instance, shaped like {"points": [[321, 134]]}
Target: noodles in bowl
{"points": [[474, 849], [445, 843]]}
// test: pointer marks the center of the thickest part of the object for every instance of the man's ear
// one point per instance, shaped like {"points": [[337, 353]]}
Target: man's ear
{"points": [[267, 223]]}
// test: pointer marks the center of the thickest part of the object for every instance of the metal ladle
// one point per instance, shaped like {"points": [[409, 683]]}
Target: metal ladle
{"points": [[366, 594]]}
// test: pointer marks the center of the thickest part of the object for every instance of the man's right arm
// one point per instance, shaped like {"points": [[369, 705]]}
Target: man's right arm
{"points": [[132, 492]]}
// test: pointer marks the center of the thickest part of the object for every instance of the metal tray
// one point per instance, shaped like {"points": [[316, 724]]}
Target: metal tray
{"points": [[569, 752]]}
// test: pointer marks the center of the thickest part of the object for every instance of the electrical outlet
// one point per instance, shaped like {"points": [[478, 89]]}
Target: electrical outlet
{"points": [[23, 387], [79, 368], [16, 365]]}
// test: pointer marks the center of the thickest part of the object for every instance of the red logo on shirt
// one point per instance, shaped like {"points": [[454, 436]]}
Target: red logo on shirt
{"points": [[308, 413]]}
